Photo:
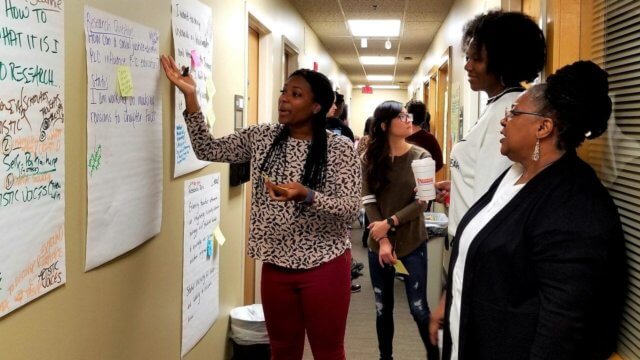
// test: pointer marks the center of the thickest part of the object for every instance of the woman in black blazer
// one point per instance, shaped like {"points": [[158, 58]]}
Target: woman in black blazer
{"points": [[538, 267]]}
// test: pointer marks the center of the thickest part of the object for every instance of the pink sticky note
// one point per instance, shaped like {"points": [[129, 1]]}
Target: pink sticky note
{"points": [[195, 59]]}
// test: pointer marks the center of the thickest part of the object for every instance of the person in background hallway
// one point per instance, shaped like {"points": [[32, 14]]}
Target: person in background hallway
{"points": [[300, 211], [337, 127], [538, 265], [421, 137], [334, 124], [363, 143], [397, 223], [361, 147], [503, 49], [344, 116]]}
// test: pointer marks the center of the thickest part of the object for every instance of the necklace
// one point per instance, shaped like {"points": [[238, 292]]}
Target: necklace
{"points": [[505, 91]]}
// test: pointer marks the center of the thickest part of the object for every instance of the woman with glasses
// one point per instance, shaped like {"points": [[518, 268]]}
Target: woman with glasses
{"points": [[397, 231], [537, 269], [304, 197]]}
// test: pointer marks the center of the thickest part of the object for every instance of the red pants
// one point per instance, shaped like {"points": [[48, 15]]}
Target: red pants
{"points": [[315, 301]]}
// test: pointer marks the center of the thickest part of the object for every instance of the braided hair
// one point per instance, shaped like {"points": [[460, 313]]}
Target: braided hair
{"points": [[315, 166]]}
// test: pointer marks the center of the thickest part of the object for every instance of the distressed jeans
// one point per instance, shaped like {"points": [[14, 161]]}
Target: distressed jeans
{"points": [[382, 280]]}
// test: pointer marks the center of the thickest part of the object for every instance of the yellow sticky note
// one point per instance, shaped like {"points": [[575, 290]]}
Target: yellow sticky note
{"points": [[125, 81], [400, 269], [211, 88], [217, 233], [211, 116]]}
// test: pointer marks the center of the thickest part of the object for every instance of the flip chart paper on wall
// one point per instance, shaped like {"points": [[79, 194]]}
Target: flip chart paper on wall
{"points": [[124, 136], [200, 303], [32, 240], [192, 24]]}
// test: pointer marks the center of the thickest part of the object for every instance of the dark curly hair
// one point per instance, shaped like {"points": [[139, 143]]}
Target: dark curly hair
{"points": [[377, 163], [419, 111], [577, 98], [315, 165], [514, 43]]}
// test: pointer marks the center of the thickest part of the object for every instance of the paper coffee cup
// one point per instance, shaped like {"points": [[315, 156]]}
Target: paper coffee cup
{"points": [[424, 171]]}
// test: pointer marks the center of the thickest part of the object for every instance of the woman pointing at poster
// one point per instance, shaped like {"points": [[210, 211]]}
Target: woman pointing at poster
{"points": [[306, 186]]}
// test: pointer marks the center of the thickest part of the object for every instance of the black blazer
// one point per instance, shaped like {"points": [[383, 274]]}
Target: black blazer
{"points": [[545, 278]]}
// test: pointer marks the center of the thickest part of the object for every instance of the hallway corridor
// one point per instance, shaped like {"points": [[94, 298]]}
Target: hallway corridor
{"points": [[361, 342]]}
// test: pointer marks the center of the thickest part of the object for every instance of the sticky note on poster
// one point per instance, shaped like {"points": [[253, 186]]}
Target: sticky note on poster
{"points": [[125, 81], [211, 116], [211, 88], [217, 233], [195, 59]]}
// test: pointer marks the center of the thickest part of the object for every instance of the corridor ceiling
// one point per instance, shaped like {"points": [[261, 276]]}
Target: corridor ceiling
{"points": [[420, 20]]}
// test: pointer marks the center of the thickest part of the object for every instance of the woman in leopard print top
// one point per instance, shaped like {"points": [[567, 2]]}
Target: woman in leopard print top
{"points": [[299, 227]]}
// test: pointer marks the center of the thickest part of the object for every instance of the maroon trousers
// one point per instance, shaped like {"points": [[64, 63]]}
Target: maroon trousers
{"points": [[314, 300]]}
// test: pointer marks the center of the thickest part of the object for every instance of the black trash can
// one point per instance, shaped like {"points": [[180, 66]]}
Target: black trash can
{"points": [[249, 333]]}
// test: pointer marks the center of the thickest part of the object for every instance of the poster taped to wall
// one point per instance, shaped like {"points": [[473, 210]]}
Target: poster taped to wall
{"points": [[192, 24], [32, 244], [124, 135], [200, 303]]}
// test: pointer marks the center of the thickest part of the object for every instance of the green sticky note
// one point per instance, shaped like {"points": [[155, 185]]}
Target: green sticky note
{"points": [[125, 81], [400, 269], [211, 88]]}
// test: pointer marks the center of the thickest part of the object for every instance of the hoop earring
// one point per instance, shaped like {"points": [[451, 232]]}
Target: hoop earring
{"points": [[536, 151]]}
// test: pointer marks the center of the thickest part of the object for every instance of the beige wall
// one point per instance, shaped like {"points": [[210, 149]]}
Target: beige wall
{"points": [[363, 105], [276, 19], [130, 308], [449, 34]]}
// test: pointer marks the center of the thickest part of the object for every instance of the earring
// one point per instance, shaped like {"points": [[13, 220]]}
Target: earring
{"points": [[536, 151]]}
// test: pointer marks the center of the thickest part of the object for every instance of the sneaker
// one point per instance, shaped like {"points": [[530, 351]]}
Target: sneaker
{"points": [[356, 288]]}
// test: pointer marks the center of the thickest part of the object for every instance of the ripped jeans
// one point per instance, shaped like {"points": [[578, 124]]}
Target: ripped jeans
{"points": [[382, 280]]}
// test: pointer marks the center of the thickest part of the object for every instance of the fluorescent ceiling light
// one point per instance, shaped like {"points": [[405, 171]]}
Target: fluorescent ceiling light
{"points": [[377, 60], [391, 87], [379, 77], [363, 43], [374, 28]]}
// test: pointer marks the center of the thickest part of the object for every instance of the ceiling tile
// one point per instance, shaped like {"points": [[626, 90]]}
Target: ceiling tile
{"points": [[422, 19]]}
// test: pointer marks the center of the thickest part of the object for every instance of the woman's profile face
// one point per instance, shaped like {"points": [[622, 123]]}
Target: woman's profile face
{"points": [[519, 128], [476, 67], [295, 104], [400, 125]]}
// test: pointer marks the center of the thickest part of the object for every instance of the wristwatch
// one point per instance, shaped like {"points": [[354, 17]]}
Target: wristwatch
{"points": [[392, 224]]}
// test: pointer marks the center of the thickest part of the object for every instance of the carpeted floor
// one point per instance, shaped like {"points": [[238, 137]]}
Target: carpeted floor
{"points": [[361, 341]]}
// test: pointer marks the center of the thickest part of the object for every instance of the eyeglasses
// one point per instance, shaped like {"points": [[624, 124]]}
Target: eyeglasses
{"points": [[510, 113], [407, 118]]}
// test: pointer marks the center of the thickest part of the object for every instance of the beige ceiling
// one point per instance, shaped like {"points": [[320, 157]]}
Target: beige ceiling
{"points": [[420, 20]]}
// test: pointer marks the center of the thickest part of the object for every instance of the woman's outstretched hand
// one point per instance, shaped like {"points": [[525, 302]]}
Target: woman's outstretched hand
{"points": [[186, 84]]}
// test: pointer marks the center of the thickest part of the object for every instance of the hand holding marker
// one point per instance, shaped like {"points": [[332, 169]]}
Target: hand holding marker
{"points": [[278, 189]]}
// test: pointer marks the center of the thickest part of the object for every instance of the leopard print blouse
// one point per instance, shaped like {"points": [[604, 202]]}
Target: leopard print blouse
{"points": [[280, 234]]}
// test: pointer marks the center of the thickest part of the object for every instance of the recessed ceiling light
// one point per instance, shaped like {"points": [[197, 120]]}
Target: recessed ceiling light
{"points": [[379, 77], [374, 28], [377, 60], [389, 87], [363, 43], [387, 44]]}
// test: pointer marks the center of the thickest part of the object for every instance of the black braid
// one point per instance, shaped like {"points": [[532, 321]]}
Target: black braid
{"points": [[314, 172], [315, 165]]}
